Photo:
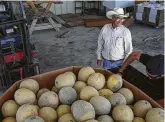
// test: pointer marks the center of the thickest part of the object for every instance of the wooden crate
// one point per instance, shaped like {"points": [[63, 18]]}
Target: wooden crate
{"points": [[140, 1], [46, 80], [102, 22]]}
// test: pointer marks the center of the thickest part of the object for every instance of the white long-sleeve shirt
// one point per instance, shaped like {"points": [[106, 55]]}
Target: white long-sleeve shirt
{"points": [[114, 44]]}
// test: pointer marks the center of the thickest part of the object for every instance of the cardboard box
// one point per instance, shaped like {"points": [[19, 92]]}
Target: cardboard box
{"points": [[145, 16], [143, 13], [159, 16], [46, 80]]}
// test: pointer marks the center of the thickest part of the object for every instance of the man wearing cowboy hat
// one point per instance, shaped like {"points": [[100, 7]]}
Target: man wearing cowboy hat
{"points": [[114, 41]]}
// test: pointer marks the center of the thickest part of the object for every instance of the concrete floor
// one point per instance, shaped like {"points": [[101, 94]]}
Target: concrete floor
{"points": [[79, 46]]}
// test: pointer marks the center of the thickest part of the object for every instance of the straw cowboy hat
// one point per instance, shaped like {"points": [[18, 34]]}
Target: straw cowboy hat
{"points": [[118, 12]]}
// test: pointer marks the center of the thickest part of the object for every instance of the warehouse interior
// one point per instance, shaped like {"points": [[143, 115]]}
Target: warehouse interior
{"points": [[43, 36]]}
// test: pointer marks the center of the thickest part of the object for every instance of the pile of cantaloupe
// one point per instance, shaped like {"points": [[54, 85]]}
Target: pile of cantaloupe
{"points": [[89, 97]]}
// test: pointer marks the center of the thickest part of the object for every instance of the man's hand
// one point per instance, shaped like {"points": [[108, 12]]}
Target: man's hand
{"points": [[100, 62], [120, 73]]}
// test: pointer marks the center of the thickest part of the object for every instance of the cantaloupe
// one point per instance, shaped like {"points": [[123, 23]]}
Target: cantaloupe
{"points": [[48, 99], [117, 99], [63, 109], [36, 102], [24, 96], [79, 85], [101, 105], [155, 115], [9, 108], [105, 118], [84, 73], [26, 111], [41, 91], [91, 120], [88, 92], [34, 119], [114, 82], [55, 89], [96, 80], [105, 93], [141, 108], [72, 74], [67, 118], [66, 79], [82, 110], [67, 95], [30, 84], [122, 113], [127, 94], [48, 114], [37, 107], [9, 119], [138, 119], [131, 107]]}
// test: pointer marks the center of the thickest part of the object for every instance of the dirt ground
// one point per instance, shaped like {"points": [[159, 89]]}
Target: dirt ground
{"points": [[78, 46]]}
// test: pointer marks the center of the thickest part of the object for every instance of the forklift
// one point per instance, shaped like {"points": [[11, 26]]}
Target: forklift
{"points": [[17, 53]]}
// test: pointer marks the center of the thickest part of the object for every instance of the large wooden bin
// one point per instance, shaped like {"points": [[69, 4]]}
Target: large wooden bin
{"points": [[46, 80]]}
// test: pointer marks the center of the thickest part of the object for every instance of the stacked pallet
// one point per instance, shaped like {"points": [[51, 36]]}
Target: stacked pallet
{"points": [[101, 22], [151, 13]]}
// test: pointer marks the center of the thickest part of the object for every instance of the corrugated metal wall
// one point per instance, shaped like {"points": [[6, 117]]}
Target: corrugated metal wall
{"points": [[66, 7]]}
